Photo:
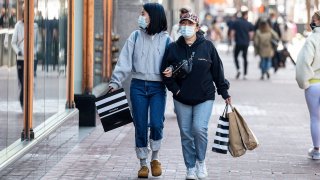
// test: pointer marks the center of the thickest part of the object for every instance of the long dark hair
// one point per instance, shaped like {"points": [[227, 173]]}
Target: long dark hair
{"points": [[158, 20]]}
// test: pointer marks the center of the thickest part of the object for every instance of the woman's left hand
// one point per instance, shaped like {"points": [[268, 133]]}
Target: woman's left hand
{"points": [[228, 100], [168, 72]]}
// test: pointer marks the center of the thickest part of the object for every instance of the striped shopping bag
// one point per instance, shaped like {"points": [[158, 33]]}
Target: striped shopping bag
{"points": [[221, 139], [113, 110]]}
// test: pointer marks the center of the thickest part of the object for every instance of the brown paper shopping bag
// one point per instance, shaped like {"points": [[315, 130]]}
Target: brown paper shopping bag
{"points": [[248, 138], [236, 146]]}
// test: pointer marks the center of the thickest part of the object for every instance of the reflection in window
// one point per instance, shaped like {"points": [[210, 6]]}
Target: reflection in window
{"points": [[50, 92], [10, 111], [50, 63]]}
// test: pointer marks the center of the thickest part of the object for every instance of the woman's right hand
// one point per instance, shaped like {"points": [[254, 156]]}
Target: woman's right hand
{"points": [[228, 100], [110, 89], [168, 72]]}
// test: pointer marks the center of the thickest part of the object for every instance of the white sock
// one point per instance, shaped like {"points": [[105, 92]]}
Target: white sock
{"points": [[155, 155], [143, 162]]}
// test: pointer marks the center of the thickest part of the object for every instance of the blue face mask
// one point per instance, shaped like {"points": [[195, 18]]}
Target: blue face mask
{"points": [[142, 22], [187, 31]]}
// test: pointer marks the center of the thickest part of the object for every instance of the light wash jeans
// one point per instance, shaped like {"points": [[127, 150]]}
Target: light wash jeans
{"points": [[145, 96], [312, 95], [193, 124], [265, 64]]}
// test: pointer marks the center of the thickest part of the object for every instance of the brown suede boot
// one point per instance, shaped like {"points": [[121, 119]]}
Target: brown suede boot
{"points": [[156, 169], [143, 172]]}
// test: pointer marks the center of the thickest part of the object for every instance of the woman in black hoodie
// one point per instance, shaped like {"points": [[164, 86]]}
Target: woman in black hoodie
{"points": [[194, 92]]}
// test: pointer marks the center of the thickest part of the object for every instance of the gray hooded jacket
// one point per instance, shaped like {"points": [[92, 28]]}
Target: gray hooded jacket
{"points": [[140, 56], [17, 41]]}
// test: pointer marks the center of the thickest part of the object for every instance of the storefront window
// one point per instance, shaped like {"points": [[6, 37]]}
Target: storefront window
{"points": [[11, 116], [50, 65], [98, 42], [50, 59]]}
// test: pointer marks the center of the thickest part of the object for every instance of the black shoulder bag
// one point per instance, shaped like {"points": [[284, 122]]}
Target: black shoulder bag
{"points": [[182, 68]]}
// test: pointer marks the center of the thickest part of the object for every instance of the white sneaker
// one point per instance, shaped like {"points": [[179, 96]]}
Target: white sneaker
{"points": [[202, 172], [314, 154], [191, 173]]}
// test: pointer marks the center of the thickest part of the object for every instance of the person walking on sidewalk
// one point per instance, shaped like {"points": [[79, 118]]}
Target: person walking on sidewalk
{"points": [[273, 22], [242, 32], [141, 57], [308, 78], [263, 46], [194, 94], [17, 44]]}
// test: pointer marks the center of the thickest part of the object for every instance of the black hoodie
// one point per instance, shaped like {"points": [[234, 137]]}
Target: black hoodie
{"points": [[207, 68]]}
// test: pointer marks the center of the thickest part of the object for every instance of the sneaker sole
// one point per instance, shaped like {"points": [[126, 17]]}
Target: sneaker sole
{"points": [[315, 158]]}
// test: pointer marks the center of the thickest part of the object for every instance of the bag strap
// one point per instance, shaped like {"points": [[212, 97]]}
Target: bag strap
{"points": [[167, 42], [191, 57], [225, 111], [135, 40], [136, 37]]}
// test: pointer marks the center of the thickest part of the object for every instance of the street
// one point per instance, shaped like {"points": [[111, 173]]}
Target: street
{"points": [[274, 109]]}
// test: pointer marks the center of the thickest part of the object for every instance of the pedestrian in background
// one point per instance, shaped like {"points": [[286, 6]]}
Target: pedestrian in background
{"points": [[229, 35], [215, 32], [194, 95], [286, 33], [17, 44], [308, 78], [273, 22], [242, 32], [141, 57], [175, 32], [263, 46]]}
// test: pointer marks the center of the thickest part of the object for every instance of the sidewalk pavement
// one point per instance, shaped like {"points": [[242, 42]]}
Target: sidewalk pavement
{"points": [[274, 109]]}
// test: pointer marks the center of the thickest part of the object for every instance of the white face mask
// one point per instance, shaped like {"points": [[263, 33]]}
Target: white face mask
{"points": [[142, 21], [187, 31]]}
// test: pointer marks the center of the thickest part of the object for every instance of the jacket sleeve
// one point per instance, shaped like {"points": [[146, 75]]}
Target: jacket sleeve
{"points": [[304, 70], [123, 67], [14, 39], [168, 81], [217, 73]]}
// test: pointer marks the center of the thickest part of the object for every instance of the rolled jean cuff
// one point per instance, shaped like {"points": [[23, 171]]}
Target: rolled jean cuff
{"points": [[155, 145], [142, 152]]}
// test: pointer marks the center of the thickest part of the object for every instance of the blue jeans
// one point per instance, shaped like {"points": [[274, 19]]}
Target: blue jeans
{"points": [[193, 124], [147, 96], [265, 64]]}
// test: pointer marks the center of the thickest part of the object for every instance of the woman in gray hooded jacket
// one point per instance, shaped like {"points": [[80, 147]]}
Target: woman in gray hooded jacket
{"points": [[17, 44], [141, 57]]}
